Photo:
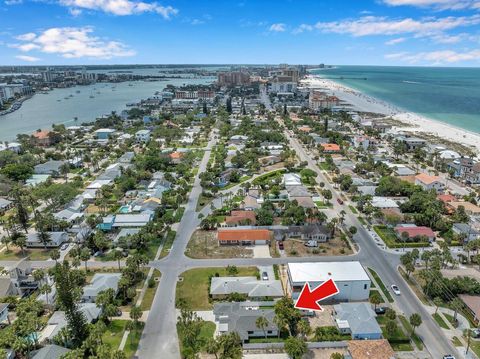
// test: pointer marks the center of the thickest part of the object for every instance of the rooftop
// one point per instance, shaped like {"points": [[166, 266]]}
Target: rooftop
{"points": [[321, 272], [427, 179], [244, 235]]}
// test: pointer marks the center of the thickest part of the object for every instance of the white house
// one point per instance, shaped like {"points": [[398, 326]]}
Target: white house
{"points": [[351, 279], [428, 182], [99, 283], [142, 136], [292, 179]]}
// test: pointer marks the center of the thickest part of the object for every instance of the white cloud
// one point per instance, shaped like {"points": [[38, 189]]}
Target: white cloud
{"points": [[277, 27], [121, 7], [436, 57], [75, 12], [71, 42], [372, 25], [437, 4], [302, 28], [27, 58], [395, 41], [197, 22], [29, 36], [13, 2]]}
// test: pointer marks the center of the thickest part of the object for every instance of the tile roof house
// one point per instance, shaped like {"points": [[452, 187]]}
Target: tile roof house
{"points": [[221, 287], [473, 304], [470, 208], [428, 182], [243, 236], [330, 147], [100, 282], [414, 231], [43, 138], [371, 349], [241, 218], [241, 317], [176, 157], [358, 320], [383, 202]]}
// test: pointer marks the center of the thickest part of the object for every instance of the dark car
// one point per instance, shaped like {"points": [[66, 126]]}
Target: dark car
{"points": [[280, 245], [380, 310], [339, 200]]}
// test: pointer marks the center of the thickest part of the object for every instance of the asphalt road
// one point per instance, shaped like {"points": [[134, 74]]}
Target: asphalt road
{"points": [[385, 264], [159, 338]]}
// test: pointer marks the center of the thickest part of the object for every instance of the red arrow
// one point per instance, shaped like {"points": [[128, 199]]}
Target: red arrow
{"points": [[308, 298]]}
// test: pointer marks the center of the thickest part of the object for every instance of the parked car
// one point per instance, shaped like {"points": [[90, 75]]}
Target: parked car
{"points": [[395, 289], [311, 243], [475, 333], [264, 276], [449, 356], [339, 200], [280, 245], [64, 246], [307, 313], [380, 310]]}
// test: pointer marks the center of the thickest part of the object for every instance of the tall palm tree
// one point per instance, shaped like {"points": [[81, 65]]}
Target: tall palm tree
{"points": [[262, 323]]}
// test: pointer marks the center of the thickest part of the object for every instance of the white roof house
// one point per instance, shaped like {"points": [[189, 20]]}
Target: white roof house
{"points": [[292, 179], [351, 278], [132, 220], [55, 240], [383, 202], [251, 286]]}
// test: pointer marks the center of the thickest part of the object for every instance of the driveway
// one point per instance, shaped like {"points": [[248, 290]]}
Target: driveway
{"points": [[269, 270], [261, 251]]}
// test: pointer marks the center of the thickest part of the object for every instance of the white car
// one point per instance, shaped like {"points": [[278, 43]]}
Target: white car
{"points": [[395, 289]]}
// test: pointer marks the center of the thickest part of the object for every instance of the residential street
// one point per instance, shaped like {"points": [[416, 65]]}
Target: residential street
{"points": [[160, 337]]}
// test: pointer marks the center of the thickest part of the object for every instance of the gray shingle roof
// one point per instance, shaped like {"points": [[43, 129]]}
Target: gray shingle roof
{"points": [[250, 286], [360, 317], [101, 281], [50, 352], [242, 320]]}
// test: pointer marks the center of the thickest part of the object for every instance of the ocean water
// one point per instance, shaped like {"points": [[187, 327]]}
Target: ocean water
{"points": [[57, 107], [446, 94]]}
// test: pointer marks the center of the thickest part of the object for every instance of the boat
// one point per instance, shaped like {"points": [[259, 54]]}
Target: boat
{"points": [[78, 91], [91, 96]]}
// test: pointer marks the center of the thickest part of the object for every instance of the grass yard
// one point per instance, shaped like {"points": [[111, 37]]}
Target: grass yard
{"points": [[362, 220], [179, 214], [456, 342], [440, 321], [353, 209], [194, 287], [233, 184], [399, 341], [114, 333], [150, 292], [418, 291], [323, 204], [14, 253], [384, 289], [168, 243], [297, 248], [132, 343], [416, 339], [203, 201], [391, 241], [204, 244]]}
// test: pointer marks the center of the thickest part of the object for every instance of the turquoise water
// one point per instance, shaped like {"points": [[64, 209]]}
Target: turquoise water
{"points": [[450, 95], [62, 105]]}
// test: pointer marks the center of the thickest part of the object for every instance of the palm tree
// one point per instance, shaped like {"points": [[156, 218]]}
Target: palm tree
{"points": [[375, 299], [262, 323], [135, 314], [117, 255], [46, 289], [55, 255]]}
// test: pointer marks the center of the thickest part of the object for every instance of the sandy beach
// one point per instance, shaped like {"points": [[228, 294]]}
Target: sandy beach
{"points": [[364, 103]]}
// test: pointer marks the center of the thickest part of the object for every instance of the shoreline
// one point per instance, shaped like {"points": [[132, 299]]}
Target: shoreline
{"points": [[418, 123]]}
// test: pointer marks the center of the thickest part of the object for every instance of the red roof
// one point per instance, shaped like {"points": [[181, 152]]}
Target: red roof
{"points": [[243, 235], [427, 179], [330, 147], [415, 231], [241, 216], [446, 198], [176, 155], [41, 134]]}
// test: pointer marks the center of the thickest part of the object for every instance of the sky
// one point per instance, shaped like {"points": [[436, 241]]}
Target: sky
{"points": [[345, 32]]}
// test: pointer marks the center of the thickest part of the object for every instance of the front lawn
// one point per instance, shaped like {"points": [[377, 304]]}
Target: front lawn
{"points": [[384, 289], [35, 254], [195, 285], [440, 321], [167, 245], [416, 339], [390, 239], [204, 244], [150, 292], [334, 247]]}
